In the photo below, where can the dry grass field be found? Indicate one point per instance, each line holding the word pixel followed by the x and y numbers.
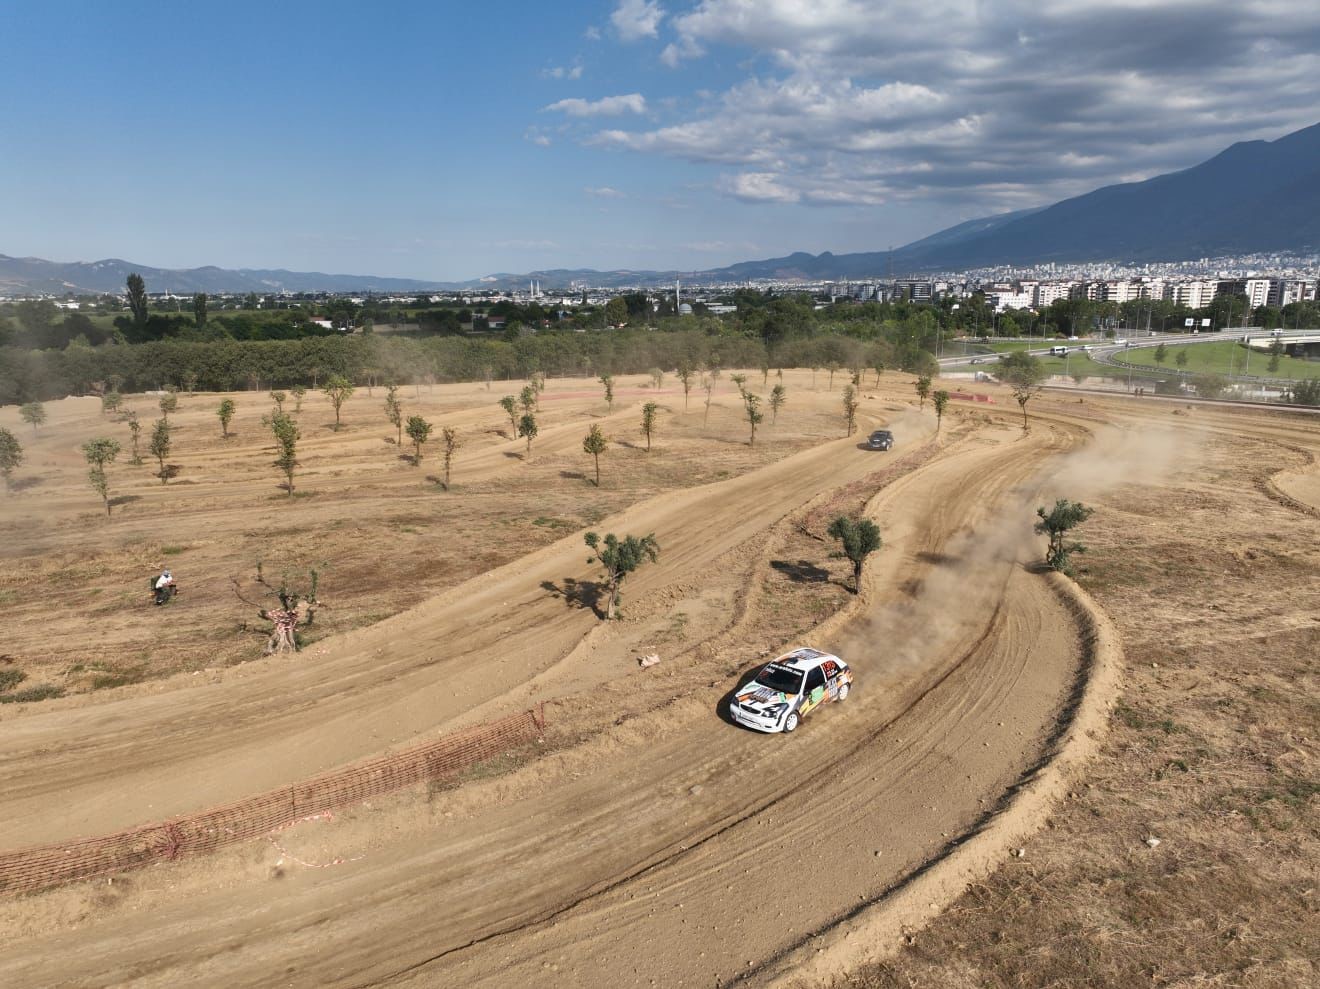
pixel 646 840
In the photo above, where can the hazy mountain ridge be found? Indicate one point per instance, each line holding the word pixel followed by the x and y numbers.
pixel 1255 196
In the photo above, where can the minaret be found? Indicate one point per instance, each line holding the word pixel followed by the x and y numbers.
pixel 677 297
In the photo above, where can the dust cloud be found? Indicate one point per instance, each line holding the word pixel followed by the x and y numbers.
pixel 1148 455
pixel 951 604
pixel 947 608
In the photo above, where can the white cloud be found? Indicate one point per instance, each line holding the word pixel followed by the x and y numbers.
pixel 573 71
pixel 592 33
pixel 636 19
pixel 607 106
pixel 984 103
pixel 758 187
pixel 536 137
pixel 604 192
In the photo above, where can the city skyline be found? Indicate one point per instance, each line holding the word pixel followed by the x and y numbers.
pixel 639 134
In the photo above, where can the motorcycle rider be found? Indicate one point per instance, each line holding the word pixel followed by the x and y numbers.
pixel 164 586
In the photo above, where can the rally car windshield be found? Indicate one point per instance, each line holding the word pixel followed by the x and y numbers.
pixel 778 678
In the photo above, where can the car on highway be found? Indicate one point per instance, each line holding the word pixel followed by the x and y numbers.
pixel 881 439
pixel 785 690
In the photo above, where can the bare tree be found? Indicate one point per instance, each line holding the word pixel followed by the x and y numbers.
pixel 296 607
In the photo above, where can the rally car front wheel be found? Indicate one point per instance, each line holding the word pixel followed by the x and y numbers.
pixel 791 722
pixel 843 692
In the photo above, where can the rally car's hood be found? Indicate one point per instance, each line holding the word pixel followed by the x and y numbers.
pixel 757 697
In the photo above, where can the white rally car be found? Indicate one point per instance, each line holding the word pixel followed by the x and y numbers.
pixel 782 693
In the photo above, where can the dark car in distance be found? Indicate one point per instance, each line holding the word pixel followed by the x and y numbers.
pixel 881 439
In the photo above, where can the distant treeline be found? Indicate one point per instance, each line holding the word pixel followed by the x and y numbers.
pixel 226 365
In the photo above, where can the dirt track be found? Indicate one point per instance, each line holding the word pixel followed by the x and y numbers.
pixel 672 848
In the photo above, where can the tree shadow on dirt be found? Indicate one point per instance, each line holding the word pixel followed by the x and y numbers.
pixel 514 455
pixel 722 705
pixel 578 593
pixel 938 559
pixel 572 475
pixel 124 500
pixel 801 572
pixel 23 483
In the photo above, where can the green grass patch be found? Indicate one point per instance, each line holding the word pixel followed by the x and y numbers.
pixel 1223 357
pixel 9 679
pixel 172 550
pixel 42 693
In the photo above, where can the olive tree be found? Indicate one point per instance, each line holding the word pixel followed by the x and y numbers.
pixel 923 389
pixel 226 414
pixel 338 389
pixel 650 414
pixel 1055 524
pixel 752 407
pixel 394 411
pixel 510 406
pixel 941 401
pixel 111 401
pixel 169 402
pixel 778 396
pixel 595 444
pixel 860 538
pixel 657 377
pixel 686 373
pixel 298 391
pixel 135 427
pixel 850 405
pixel 449 436
pixel 279 398
pixel 419 431
pixel 528 429
pixel 11 456
pixel 99 453
pixel 527 398
pixel 33 413
pixel 620 558
pixel 1023 373
pixel 159 447
pixel 607 380
pixel 285 428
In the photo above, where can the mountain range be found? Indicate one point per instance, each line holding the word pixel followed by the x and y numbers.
pixel 1253 197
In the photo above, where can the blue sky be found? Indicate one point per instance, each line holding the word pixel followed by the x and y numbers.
pixel 448 141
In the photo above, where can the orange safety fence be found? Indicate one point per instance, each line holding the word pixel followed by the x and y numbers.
pixel 27 870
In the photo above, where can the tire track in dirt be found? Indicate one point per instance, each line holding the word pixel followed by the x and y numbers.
pixel 81 771
pixel 504 869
